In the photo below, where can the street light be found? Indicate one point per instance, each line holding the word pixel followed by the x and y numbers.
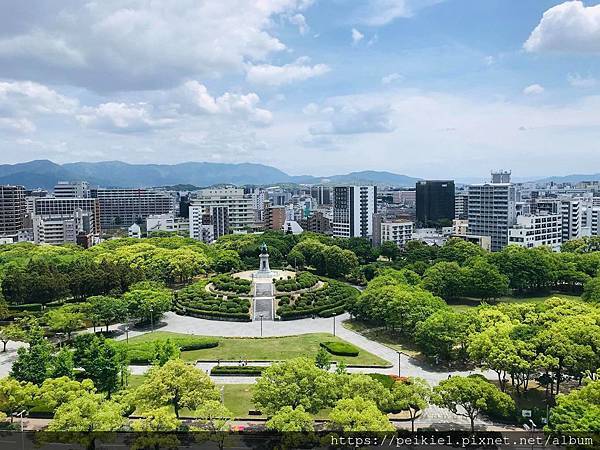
pixel 152 318
pixel 334 325
pixel 21 416
pixel 261 328
pixel 399 360
pixel 127 333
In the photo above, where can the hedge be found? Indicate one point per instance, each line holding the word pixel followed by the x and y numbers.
pixel 304 280
pixel 387 381
pixel 211 315
pixel 26 307
pixel 333 311
pixel 144 352
pixel 194 300
pixel 227 283
pixel 329 300
pixel 237 370
pixel 340 348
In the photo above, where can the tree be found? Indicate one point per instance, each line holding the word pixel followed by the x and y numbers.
pixel 147 301
pixel 214 418
pixel 366 387
pixel 11 332
pixel 100 359
pixel 296 382
pixel 288 419
pixel 591 291
pixel 459 251
pixel 164 351
pixel 390 250
pixel 339 262
pixel 578 411
pixel 483 280
pixel 65 320
pixel 445 279
pixel 88 413
pixel 157 420
pixel 412 395
pixel 33 363
pixel 227 261
pixel 16 396
pixel 323 359
pixel 470 396
pixel 107 310
pixel 444 333
pixel 61 364
pixel 178 384
pixel 56 391
pixel 358 415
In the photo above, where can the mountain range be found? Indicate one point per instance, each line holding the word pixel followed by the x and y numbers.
pixel 45 174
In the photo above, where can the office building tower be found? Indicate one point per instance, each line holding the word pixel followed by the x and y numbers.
pixel 12 209
pixel 322 194
pixel 239 206
pixel 492 209
pixel 353 209
pixel 208 223
pixel 461 205
pixel 274 216
pixel 72 189
pixel 435 203
pixel 123 207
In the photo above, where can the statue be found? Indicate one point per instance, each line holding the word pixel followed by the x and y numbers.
pixel 264 270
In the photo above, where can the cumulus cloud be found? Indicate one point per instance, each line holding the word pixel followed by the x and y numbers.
pixel 382 12
pixel 391 78
pixel 357 36
pixel 25 97
pixel 300 21
pixel 533 89
pixel 353 118
pixel 19 125
pixel 568 27
pixel 299 70
pixel 579 81
pixel 121 118
pixel 142 44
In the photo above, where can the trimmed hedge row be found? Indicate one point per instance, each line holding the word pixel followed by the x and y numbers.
pixel 195 300
pixel 144 352
pixel 340 348
pixel 211 315
pixel 325 302
pixel 227 283
pixel 238 370
pixel 26 307
pixel 304 280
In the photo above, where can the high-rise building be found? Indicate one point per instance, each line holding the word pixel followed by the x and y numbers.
pixel 317 222
pixel 122 207
pixel 72 189
pixel 353 209
pixel 208 223
pixel 572 216
pixel 537 230
pixel 461 205
pixel 492 209
pixel 46 207
pixel 435 203
pixel 65 229
pixel 274 217
pixel 240 212
pixel 398 232
pixel 12 209
pixel 322 194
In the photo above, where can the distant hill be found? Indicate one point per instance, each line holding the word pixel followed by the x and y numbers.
pixel 575 178
pixel 45 174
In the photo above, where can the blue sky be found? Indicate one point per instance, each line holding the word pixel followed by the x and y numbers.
pixel 430 88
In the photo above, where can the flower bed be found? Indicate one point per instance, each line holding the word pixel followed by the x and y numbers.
pixel 304 280
pixel 194 300
pixel 227 283
pixel 340 348
pixel 325 302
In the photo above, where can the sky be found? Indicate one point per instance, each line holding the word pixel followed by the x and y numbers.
pixel 427 88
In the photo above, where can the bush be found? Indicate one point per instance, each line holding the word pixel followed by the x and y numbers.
pixel 144 352
pixel 26 307
pixel 386 380
pixel 227 283
pixel 238 370
pixel 194 300
pixel 304 280
pixel 340 348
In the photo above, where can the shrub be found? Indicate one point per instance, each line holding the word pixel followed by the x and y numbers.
pixel 26 307
pixel 144 352
pixel 340 348
pixel 238 370
pixel 386 380
pixel 195 300
pixel 304 280
pixel 227 283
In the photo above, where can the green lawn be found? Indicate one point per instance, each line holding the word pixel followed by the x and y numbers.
pixel 383 336
pixel 464 304
pixel 265 349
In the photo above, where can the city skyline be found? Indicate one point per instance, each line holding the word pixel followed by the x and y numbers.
pixel 434 89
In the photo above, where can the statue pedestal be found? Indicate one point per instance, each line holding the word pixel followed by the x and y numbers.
pixel 265 270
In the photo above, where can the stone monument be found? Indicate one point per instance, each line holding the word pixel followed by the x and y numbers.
pixel 264 270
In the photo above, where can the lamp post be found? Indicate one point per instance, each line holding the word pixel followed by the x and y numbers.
pixel 152 318
pixel 127 333
pixel 334 325
pixel 261 325
pixel 400 361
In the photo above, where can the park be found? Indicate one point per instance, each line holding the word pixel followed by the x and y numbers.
pixel 292 333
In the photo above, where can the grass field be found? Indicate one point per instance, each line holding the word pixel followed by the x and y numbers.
pixel 265 349
pixel 464 304
pixel 383 336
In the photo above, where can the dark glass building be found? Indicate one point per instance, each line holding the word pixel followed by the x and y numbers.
pixel 435 203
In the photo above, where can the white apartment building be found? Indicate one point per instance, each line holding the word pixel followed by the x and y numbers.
pixel 239 206
pixel 572 216
pixel 398 232
pixel 63 229
pixel 492 209
pixel 166 222
pixel 208 223
pixel 353 209
pixel 134 231
pixel 537 230
pixel 590 221
pixel 66 207
pixel 72 189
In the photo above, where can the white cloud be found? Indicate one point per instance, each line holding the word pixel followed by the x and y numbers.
pixel 357 36
pixel 110 45
pixel 391 78
pixel 25 97
pixel 533 89
pixel 489 60
pixel 584 82
pixel 382 12
pixel 568 27
pixel 353 117
pixel 19 125
pixel 121 118
pixel 300 21
pixel 299 70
